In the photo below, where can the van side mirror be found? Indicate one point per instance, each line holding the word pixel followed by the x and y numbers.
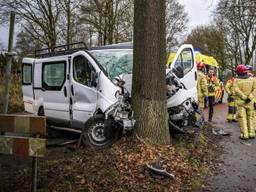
pixel 94 77
pixel 178 71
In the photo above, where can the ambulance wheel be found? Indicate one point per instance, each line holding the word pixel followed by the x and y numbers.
pixel 93 134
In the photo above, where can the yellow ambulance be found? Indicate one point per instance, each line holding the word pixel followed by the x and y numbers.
pixel 210 62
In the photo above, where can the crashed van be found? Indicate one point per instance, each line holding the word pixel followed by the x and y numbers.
pixel 90 90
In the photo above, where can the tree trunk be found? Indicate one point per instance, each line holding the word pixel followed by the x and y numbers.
pixel 149 88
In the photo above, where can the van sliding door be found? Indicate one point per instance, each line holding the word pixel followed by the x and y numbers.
pixel 55 92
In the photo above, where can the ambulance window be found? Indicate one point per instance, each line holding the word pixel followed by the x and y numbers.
pixel 82 70
pixel 54 75
pixel 27 74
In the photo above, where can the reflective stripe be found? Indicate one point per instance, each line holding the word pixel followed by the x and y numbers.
pixel 232 110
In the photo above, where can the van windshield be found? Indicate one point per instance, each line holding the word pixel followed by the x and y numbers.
pixel 115 62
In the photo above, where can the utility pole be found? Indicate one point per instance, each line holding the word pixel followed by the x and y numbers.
pixel 68 22
pixel 8 67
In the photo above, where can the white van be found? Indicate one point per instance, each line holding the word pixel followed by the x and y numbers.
pixel 89 89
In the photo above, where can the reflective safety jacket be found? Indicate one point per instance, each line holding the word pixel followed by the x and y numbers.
pixel 213 84
pixel 202 87
pixel 254 93
pixel 244 87
pixel 229 87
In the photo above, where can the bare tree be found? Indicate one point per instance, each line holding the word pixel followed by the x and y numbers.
pixel 211 40
pixel 38 17
pixel 69 27
pixel 149 89
pixel 111 20
pixel 48 22
pixel 25 45
pixel 176 22
pixel 238 19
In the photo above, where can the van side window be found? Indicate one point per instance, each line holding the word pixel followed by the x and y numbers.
pixel 27 74
pixel 54 74
pixel 82 70
pixel 185 60
pixel 178 62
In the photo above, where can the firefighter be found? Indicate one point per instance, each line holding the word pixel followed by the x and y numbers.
pixel 213 83
pixel 250 69
pixel 245 88
pixel 229 87
pixel 202 87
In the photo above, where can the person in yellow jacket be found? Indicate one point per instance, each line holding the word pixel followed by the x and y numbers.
pixel 213 83
pixel 245 88
pixel 232 109
pixel 202 87
pixel 249 67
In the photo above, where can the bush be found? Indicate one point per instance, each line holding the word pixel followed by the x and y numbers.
pixel 15 98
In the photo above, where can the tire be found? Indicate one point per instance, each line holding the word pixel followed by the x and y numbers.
pixel 93 134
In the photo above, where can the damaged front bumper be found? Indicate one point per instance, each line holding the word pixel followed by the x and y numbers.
pixel 122 114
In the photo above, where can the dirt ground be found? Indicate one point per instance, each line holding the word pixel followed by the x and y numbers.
pixel 236 166
pixel 234 169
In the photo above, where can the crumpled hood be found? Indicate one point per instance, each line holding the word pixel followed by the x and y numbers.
pixel 128 80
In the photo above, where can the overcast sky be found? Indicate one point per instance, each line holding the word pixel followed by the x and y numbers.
pixel 199 11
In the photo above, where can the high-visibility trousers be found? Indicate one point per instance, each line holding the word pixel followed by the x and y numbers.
pixel 201 102
pixel 232 108
pixel 246 119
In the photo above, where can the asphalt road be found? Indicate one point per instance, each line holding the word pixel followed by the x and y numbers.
pixel 236 170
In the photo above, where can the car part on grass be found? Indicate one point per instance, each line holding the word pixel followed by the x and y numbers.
pixel 157 172
pixel 62 143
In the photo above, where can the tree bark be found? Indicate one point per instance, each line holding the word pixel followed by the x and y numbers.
pixel 149 88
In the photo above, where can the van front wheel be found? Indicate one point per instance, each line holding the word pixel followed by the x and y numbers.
pixel 93 134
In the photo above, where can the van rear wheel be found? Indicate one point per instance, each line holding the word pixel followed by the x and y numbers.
pixel 93 134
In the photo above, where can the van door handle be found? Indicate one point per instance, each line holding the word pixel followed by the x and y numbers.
pixel 65 91
pixel 195 75
pixel 72 90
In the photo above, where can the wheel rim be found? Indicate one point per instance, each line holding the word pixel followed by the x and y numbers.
pixel 96 134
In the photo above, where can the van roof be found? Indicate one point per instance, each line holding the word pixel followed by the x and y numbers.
pixel 126 45
pixel 65 54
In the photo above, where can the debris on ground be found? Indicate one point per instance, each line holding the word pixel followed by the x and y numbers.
pixel 156 171
pixel 120 168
